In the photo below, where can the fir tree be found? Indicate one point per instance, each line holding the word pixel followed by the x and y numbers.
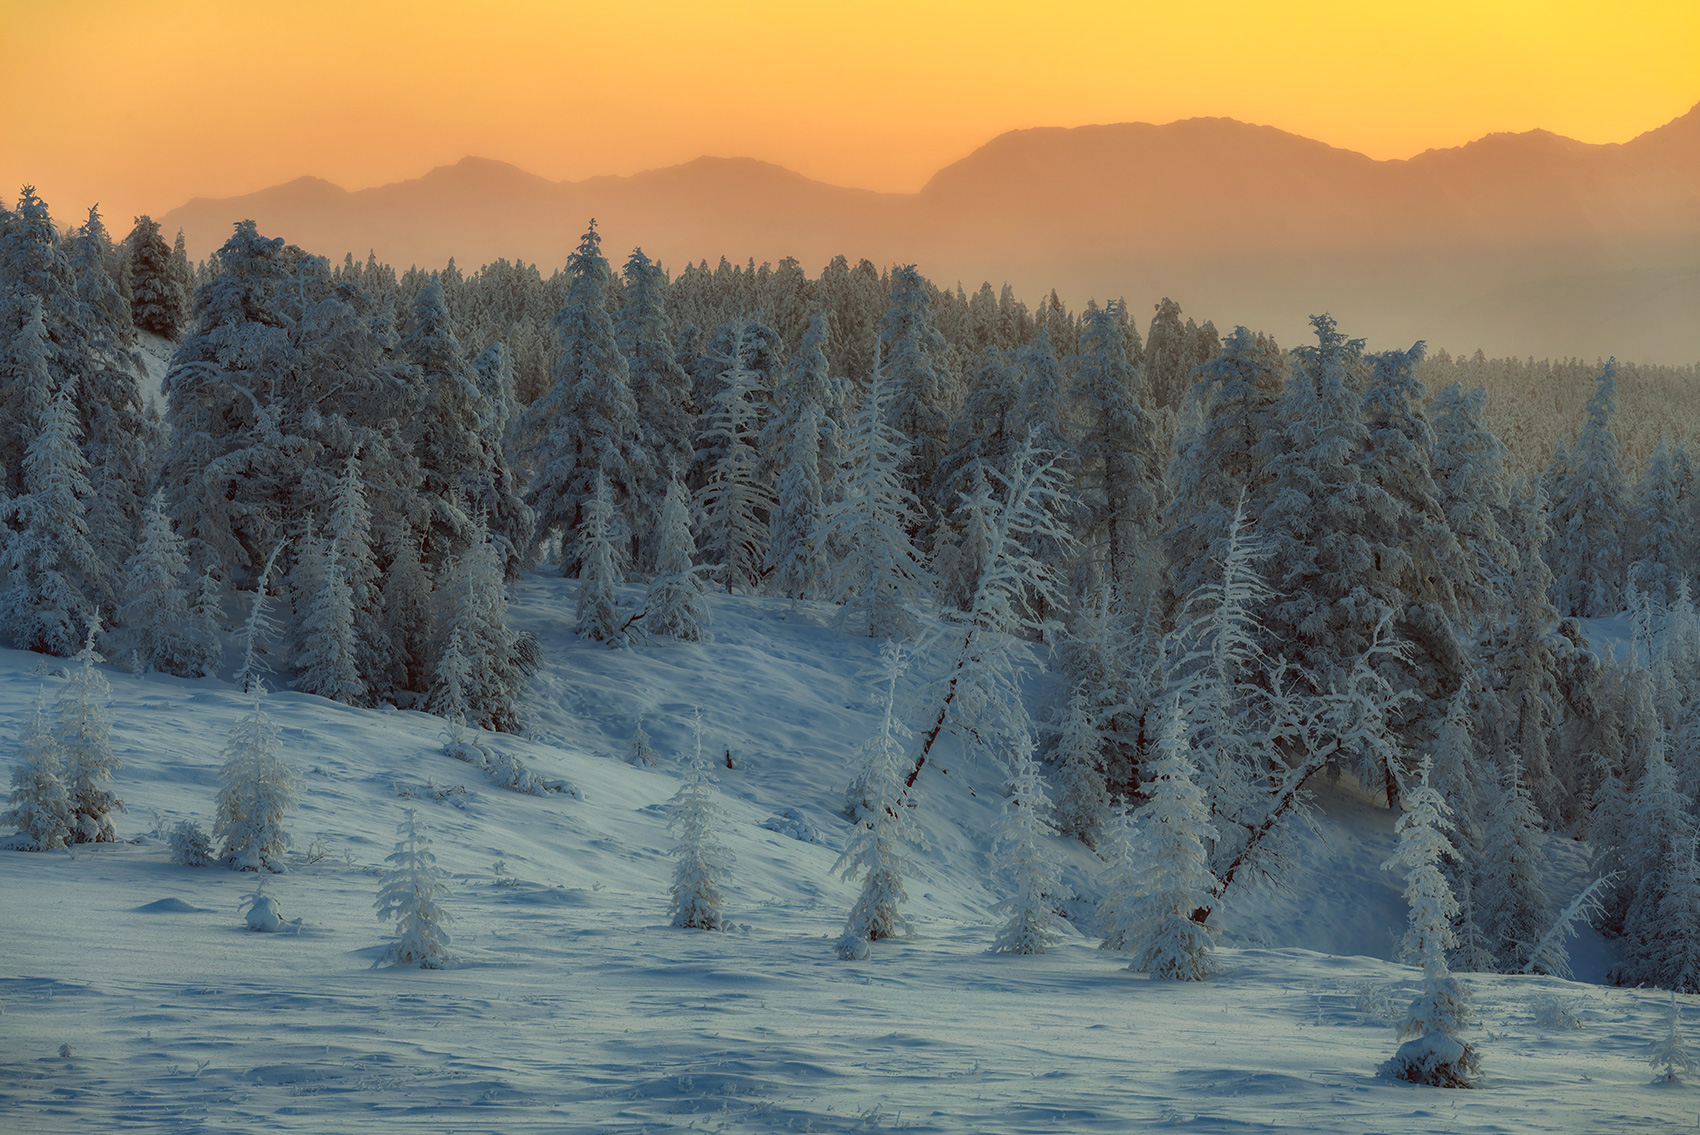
pixel 50 568
pixel 1469 471
pixel 1031 876
pixel 879 573
pixel 702 863
pixel 676 604
pixel 84 735
pixel 735 499
pixel 1668 1054
pixel 587 423
pixel 412 895
pixel 598 573
pixel 803 441
pixel 156 300
pixel 661 390
pixel 1173 829
pixel 916 362
pixel 1657 554
pixel 257 790
pixel 1082 808
pixel 327 656
pixel 475 604
pixel 1511 897
pixel 1434 1051
pixel 885 835
pixel 156 599
pixel 42 809
pixel 1588 507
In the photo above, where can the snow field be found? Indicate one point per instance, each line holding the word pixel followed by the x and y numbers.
pixel 574 1007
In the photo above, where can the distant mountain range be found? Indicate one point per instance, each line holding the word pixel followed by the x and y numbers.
pixel 1515 243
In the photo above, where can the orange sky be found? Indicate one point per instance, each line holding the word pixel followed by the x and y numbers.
pixel 143 105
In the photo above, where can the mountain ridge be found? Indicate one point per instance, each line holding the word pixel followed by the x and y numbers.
pixel 1244 223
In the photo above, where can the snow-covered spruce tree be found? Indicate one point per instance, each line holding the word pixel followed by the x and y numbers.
pixel 1668 1054
pixel 1324 608
pixel 1082 806
pixel 83 731
pixel 599 572
pixel 701 861
pixel 587 423
pixel 1510 896
pixel 28 390
pixel 1121 467
pixel 802 439
pixel 156 598
pixel 1658 528
pixel 1588 512
pixel 1173 829
pixel 1672 950
pixel 258 629
pixel 980 694
pixel 257 790
pixel 412 894
pixel 736 496
pixel 156 301
pixel 1469 471
pixel 327 642
pixel 1652 853
pixel 917 364
pixel 886 834
pixel 661 390
pixel 497 490
pixel 1216 670
pixel 638 750
pixel 474 602
pixel 51 570
pixel 349 529
pixel 676 604
pixel 41 808
pixel 1031 877
pixel 1434 1051
pixel 878 574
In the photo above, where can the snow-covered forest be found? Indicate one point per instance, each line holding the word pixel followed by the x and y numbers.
pixel 1166 603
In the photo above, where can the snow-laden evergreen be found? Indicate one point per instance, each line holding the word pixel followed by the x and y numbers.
pixel 915 360
pixel 1510 894
pixel 257 791
pixel 1589 511
pixel 82 728
pixel 475 605
pixel 587 423
pixel 661 390
pixel 156 600
pixel 1657 528
pixel 1082 805
pixel 676 604
pixel 879 576
pixel 1434 1052
pixel 1469 471
pixel 886 835
pixel 1668 1053
pixel 1031 878
pixel 327 652
pixel 1157 920
pixel 41 807
pixel 736 496
pixel 701 862
pixel 801 437
pixel 50 568
pixel 411 895
pixel 599 574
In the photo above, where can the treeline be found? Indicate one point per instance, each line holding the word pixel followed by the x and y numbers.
pixel 1256 565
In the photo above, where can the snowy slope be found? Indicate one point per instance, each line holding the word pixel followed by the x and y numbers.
pixel 574 1007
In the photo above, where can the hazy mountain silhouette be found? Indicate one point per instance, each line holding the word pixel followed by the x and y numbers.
pixel 1518 243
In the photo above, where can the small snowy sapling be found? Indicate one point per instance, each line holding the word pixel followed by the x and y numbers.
pixel 41 803
pixel 702 862
pixel 412 895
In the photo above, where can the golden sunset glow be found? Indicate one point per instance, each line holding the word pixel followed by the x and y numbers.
pixel 142 105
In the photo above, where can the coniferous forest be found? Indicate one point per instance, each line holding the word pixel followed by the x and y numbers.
pixel 1168 579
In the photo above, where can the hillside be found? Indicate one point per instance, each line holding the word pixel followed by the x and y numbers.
pixel 573 1006
pixel 1515 243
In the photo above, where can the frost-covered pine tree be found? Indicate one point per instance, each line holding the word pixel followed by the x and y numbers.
pixel 1588 512
pixel 916 362
pixel 156 599
pixel 50 568
pixel 1509 895
pixel 1121 468
pixel 676 604
pixel 701 861
pixel 802 439
pixel 1658 528
pixel 1434 1051
pixel 1173 830
pixel 1668 1054
pixel 156 302
pixel 83 731
pixel 1469 470
pixel 599 572
pixel 886 834
pixel 661 390
pixel 412 894
pixel 257 790
pixel 638 750
pixel 1031 877
pixel 41 808
pixel 736 496
pixel 1082 806
pixel 328 648
pixel 587 423
pixel 474 601
pixel 349 529
pixel 878 574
